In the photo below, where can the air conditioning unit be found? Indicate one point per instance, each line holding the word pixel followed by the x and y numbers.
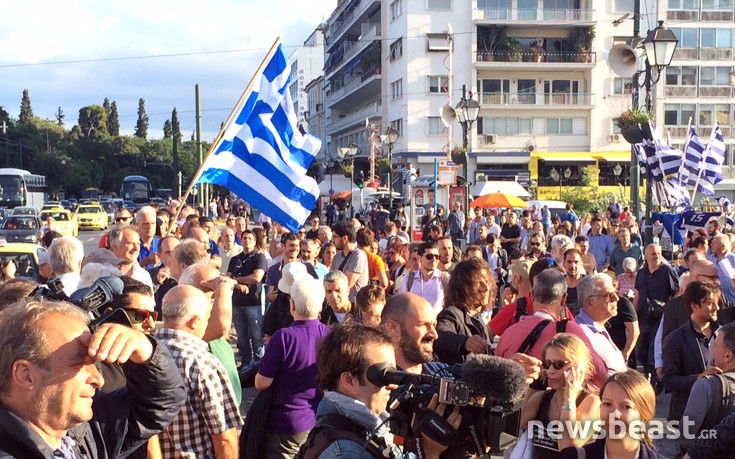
pixel 490 138
pixel 616 137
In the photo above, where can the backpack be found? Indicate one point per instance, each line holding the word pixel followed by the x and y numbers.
pixel 720 387
pixel 335 427
pixel 530 341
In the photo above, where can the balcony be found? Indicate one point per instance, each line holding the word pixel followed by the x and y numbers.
pixel 534 61
pixel 352 48
pixel 522 100
pixel 564 16
pixel 356 117
pixel 358 86
pixel 344 20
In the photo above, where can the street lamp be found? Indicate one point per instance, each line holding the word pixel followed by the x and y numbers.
pixel 391 138
pixel 467 111
pixel 351 151
pixel 659 45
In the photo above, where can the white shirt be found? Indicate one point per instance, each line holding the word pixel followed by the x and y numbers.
pixel 602 343
pixel 494 229
pixel 228 255
pixel 431 290
pixel 70 282
pixel 141 275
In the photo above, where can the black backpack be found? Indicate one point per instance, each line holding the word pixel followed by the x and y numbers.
pixel 530 341
pixel 335 427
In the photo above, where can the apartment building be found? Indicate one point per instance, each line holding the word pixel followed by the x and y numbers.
pixel 307 62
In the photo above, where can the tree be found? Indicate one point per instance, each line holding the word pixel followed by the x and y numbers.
pixel 60 117
pixel 167 129
pixel 106 106
pixel 26 112
pixel 175 127
pixel 113 121
pixel 93 121
pixel 141 127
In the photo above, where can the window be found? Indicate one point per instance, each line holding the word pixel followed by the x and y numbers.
pixel 623 85
pixel 714 76
pixel 437 42
pixel 709 114
pixel 434 125
pixel 559 126
pixel 504 126
pixel 396 89
pixel 493 91
pixel 396 49
pixel 526 91
pixel 683 4
pixel 398 126
pixel 717 5
pixel 687 37
pixel 396 9
pixel 438 84
pixel 438 4
pixel 716 38
pixel 678 114
pixel 681 76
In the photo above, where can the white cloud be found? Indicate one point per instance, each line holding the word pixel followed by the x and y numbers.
pixel 43 32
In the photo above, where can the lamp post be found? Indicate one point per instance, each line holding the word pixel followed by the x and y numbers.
pixel 659 45
pixel 352 151
pixel 617 170
pixel 391 138
pixel 467 111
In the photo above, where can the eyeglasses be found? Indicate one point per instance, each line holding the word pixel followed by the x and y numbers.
pixel 137 316
pixel 610 296
pixel 431 256
pixel 535 244
pixel 120 219
pixel 557 364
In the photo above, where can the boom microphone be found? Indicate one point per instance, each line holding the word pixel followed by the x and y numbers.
pixel 498 378
pixel 104 290
pixel 384 374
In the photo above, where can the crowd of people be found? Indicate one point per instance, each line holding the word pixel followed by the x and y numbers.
pixel 597 323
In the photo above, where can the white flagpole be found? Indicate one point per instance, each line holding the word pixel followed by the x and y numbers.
pixel 704 161
pixel 220 135
pixel 684 161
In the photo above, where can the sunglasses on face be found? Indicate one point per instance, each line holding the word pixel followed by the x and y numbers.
pixel 610 296
pixel 431 256
pixel 137 316
pixel 535 244
pixel 557 364
pixel 120 219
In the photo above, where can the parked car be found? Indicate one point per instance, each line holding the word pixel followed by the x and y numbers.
pixel 25 210
pixel 20 228
pixel 25 257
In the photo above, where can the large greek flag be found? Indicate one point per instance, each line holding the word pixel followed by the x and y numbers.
pixel 263 157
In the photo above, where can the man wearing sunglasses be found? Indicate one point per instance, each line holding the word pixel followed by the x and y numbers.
pixel 122 217
pixel 599 303
pixel 428 282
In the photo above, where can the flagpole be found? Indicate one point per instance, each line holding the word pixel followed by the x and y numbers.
pixel 684 162
pixel 220 135
pixel 704 160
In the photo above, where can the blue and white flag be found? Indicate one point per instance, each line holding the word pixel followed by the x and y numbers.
pixel 715 156
pixel 693 150
pixel 263 157
pixel 668 158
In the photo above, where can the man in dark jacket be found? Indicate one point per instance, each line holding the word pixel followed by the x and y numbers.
pixel 49 402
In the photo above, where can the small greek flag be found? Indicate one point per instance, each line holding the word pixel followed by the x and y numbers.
pixel 263 157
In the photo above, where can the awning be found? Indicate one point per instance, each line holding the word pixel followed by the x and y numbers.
pixel 336 182
pixel 580 159
pixel 496 186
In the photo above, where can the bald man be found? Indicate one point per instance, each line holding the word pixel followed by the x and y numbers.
pixel 201 235
pixel 211 430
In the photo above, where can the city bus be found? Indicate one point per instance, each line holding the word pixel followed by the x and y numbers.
pixel 136 188
pixel 91 193
pixel 19 187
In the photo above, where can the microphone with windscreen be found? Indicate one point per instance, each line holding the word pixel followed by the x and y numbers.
pixel 101 292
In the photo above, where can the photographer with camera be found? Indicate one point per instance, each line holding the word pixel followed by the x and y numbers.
pixel 351 420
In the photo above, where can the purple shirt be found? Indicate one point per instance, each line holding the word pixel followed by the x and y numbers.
pixel 290 359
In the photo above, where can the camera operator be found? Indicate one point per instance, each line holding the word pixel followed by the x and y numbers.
pixel 351 418
pixel 49 402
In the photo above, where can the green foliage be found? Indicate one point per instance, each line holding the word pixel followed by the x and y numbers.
pixel 113 120
pixel 632 117
pixel 60 117
pixel 93 121
pixel 141 126
pixel 175 127
pixel 167 129
pixel 26 112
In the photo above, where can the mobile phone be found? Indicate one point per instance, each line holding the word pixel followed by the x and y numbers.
pixel 568 373
pixel 116 316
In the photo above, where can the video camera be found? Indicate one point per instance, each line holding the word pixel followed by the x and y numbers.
pixel 90 299
pixel 489 391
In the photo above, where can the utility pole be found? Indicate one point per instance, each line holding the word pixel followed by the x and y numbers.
pixel 199 131
pixel 635 173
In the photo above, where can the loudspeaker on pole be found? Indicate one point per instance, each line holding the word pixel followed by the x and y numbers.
pixel 623 60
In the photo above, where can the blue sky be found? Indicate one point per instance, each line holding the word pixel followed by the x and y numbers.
pixel 76 53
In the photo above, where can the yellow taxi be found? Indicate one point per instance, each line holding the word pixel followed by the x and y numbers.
pixel 24 256
pixel 63 222
pixel 91 216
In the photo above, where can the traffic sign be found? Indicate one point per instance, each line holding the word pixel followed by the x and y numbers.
pixel 331 191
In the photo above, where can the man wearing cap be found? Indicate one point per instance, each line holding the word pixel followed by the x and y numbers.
pixel 65 256
pixel 44 268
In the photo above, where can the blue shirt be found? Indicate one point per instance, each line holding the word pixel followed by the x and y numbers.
pixel 213 249
pixel 601 248
pixel 145 251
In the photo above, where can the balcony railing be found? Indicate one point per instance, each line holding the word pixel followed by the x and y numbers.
pixel 338 89
pixel 357 116
pixel 553 99
pixel 535 14
pixel 504 56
